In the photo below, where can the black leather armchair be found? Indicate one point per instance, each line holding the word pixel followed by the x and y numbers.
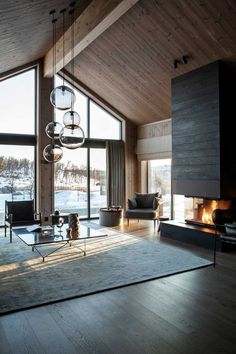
pixel 20 213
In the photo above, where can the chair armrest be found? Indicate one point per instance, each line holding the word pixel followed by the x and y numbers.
pixel 10 218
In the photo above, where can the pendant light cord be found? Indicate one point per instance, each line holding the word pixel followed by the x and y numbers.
pixel 54 20
pixel 71 12
pixel 63 41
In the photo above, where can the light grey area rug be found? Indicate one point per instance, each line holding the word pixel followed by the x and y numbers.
pixel 111 262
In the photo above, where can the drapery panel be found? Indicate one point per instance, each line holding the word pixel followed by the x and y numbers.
pixel 115 173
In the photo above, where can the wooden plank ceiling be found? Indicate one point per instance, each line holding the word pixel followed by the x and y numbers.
pixel 131 64
pixel 26 29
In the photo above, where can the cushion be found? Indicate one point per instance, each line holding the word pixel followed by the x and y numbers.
pixel 132 203
pixel 148 214
pixel 156 202
pixel 145 200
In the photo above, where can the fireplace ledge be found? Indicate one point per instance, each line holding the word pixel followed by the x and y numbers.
pixel 196 235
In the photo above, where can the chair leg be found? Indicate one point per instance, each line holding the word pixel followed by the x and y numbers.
pixel 5 226
pixel 154 223
pixel 10 234
pixel 159 226
pixel 128 221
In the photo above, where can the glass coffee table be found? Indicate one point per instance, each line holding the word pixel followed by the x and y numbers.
pixel 54 235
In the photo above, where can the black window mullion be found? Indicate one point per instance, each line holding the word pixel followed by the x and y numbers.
pixel 88 183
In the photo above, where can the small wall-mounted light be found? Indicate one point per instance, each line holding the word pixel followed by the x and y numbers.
pixel 183 60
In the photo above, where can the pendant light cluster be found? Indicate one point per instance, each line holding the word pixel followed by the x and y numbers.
pixel 71 136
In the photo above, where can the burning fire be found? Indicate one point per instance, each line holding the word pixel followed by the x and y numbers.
pixel 206 215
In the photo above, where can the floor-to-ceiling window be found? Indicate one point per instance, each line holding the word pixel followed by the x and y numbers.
pixel 159 180
pixel 80 176
pixel 17 138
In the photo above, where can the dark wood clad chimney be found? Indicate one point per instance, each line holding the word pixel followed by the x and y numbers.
pixel 203 136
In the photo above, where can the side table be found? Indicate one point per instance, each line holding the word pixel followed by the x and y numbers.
pixel 110 216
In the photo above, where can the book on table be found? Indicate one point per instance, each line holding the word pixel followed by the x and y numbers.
pixel 36 227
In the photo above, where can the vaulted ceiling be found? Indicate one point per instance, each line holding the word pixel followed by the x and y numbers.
pixel 131 64
pixel 26 29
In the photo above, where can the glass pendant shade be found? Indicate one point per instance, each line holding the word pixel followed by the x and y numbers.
pixel 71 118
pixel 72 136
pixel 52 153
pixel 62 97
pixel 53 130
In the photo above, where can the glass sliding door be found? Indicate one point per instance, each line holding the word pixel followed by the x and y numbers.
pixel 159 180
pixel 98 198
pixel 70 183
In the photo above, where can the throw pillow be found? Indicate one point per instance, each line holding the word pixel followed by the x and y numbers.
pixel 156 202
pixel 132 204
pixel 145 200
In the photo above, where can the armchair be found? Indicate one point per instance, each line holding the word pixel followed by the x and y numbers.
pixel 144 206
pixel 225 228
pixel 20 213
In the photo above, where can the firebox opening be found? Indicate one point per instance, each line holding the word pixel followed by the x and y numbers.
pixel 198 211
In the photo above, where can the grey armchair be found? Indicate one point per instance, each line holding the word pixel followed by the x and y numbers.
pixel 144 206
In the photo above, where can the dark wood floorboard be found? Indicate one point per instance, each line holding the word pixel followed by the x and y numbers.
pixel 192 312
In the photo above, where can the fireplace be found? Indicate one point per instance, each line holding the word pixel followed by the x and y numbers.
pixel 198 211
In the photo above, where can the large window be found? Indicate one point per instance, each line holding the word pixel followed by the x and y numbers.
pixel 102 124
pixel 159 180
pixel 17 104
pixel 80 177
pixel 71 187
pixel 17 138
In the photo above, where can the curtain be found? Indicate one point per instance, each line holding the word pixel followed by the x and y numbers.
pixel 115 173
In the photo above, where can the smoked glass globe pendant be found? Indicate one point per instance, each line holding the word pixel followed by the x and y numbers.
pixel 71 118
pixel 53 130
pixel 62 97
pixel 52 153
pixel 72 136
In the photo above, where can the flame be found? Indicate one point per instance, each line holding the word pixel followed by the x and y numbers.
pixel 206 215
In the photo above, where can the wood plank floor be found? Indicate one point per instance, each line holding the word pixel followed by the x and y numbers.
pixel 193 312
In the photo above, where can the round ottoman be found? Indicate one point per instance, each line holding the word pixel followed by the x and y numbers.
pixel 110 216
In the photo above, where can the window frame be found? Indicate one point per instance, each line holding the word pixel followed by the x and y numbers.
pixel 90 143
pixel 26 139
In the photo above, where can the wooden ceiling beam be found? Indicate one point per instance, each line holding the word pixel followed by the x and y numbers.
pixel 95 19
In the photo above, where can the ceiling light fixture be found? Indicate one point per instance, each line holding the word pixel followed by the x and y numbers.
pixel 53 152
pixel 72 135
pixel 62 97
pixel 181 61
